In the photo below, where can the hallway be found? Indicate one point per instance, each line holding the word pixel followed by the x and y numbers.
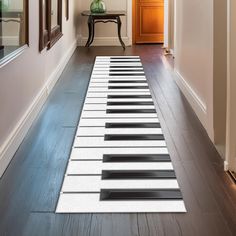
pixel 30 187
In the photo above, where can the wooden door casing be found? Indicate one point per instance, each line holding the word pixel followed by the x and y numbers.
pixel 148 21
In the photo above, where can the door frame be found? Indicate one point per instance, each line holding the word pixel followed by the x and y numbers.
pixel 230 162
pixel 130 25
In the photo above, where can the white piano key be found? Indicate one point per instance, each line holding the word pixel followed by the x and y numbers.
pixel 125 70
pixel 93 94
pixel 103 114
pixel 96 167
pixel 105 90
pixel 92 84
pixel 99 63
pixel 97 153
pixel 102 57
pixel 93 131
pixel 105 100
pixel 108 68
pixel 108 60
pixel 117 62
pixel 109 57
pixel 90 203
pixel 101 122
pixel 81 142
pixel 117 77
pixel 103 107
pixel 95 184
pixel 96 100
pixel 106 80
pixel 117 72
pixel 101 66
pixel 104 95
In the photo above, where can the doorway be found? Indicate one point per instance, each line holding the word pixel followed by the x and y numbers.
pixel 148 21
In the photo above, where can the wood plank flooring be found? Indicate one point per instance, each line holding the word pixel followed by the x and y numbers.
pixel 30 187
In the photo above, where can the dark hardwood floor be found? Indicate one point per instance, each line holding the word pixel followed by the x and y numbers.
pixel 29 188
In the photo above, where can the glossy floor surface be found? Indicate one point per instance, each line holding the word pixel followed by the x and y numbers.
pixel 30 187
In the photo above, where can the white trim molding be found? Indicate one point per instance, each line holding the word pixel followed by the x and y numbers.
pixel 231 85
pixel 129 21
pixel 226 166
pixel 10 146
pixel 166 25
pixel 195 101
pixel 103 41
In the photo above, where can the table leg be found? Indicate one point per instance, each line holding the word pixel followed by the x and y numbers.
pixel 119 31
pixel 92 32
pixel 90 25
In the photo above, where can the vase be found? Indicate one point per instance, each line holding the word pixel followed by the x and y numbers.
pixel 98 6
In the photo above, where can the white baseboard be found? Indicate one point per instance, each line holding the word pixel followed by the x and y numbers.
pixel 195 101
pixel 10 146
pixel 104 41
pixel 59 69
pixel 226 166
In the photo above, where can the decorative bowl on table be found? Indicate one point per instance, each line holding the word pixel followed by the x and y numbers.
pixel 98 6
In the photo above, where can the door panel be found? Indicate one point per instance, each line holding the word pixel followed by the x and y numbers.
pixel 149 15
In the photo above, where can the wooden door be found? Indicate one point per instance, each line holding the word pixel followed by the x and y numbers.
pixel 148 21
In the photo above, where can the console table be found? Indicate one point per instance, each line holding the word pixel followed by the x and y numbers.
pixel 109 16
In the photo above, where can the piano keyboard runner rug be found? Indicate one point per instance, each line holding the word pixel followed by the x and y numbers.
pixel 119 160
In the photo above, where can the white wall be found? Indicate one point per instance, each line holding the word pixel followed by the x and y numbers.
pixel 26 81
pixel 197 55
pixel 105 34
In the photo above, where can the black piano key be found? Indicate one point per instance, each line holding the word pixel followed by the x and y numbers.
pixel 133 74
pixel 128 96
pixel 136 158
pixel 126 111
pixel 132 125
pixel 138 174
pixel 128 61
pixel 140 194
pixel 128 70
pixel 127 87
pixel 126 57
pixel 127 81
pixel 129 137
pixel 129 103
